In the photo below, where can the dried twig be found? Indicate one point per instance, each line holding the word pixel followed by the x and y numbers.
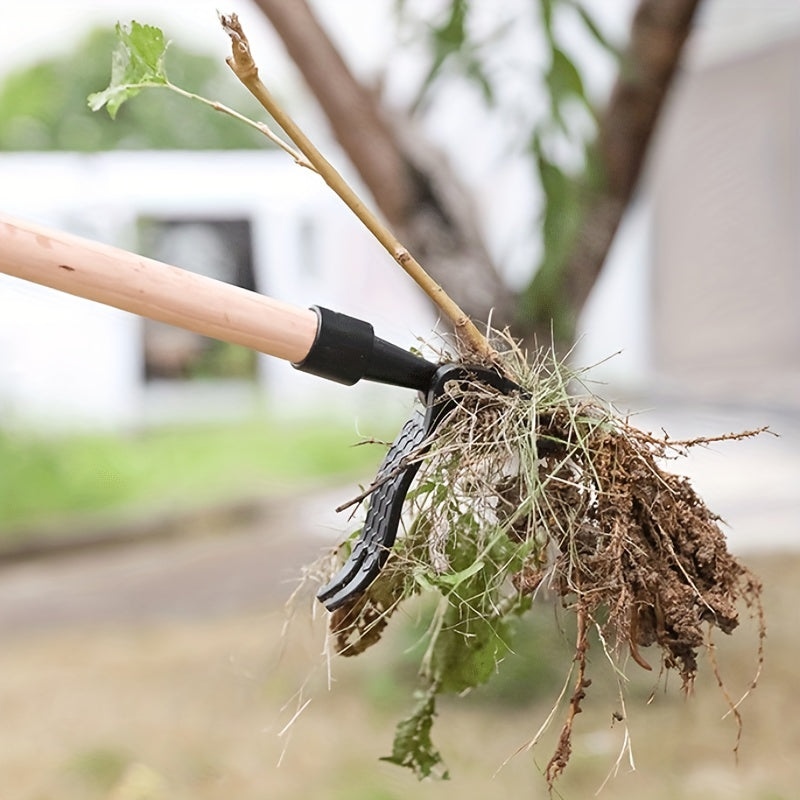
pixel 244 67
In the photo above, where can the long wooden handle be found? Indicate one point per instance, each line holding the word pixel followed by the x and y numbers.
pixel 155 290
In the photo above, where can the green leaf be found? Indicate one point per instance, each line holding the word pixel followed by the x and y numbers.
pixel 564 82
pixel 447 582
pixel 563 78
pixel 545 296
pixel 446 41
pixel 562 202
pixel 412 747
pixel 475 72
pixel 136 63
pixel 450 37
pixel 595 31
pixel 546 8
pixel 453 579
pixel 466 650
pixel 421 579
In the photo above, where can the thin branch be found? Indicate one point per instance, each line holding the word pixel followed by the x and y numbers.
pixel 246 70
pixel 261 127
pixel 353 111
pixel 658 33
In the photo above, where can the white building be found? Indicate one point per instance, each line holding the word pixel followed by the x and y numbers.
pixel 702 290
pixel 252 218
pixel 701 293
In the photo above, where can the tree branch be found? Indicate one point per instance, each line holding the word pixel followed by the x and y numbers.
pixel 351 110
pixel 659 31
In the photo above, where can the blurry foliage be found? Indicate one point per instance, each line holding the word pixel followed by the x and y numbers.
pixel 224 360
pixel 44 477
pixel 44 105
pixel 557 140
pixel 100 768
pixel 450 45
pixel 531 671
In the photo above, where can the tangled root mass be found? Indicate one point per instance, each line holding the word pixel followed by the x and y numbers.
pixel 520 494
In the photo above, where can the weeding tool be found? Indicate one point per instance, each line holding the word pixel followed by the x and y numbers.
pixel 316 340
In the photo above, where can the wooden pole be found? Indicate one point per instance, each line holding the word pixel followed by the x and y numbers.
pixel 155 290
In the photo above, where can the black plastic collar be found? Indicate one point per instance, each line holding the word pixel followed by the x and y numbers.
pixel 346 350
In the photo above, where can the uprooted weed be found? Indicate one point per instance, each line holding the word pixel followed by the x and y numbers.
pixel 546 492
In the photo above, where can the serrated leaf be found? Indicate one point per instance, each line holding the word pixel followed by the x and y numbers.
pixel 136 63
pixel 413 747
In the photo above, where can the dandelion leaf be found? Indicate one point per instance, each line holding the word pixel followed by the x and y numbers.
pixel 136 63
pixel 413 747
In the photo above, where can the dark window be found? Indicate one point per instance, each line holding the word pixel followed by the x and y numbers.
pixel 217 248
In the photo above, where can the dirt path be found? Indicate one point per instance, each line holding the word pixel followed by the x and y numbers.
pixel 159 661
pixel 252 567
pixel 752 484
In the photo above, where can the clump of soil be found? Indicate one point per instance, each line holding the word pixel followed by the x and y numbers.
pixel 644 559
pixel 545 491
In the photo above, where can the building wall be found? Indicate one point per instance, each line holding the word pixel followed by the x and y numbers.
pixel 725 188
pixel 700 295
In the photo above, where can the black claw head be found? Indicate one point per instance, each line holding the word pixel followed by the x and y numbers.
pixel 394 478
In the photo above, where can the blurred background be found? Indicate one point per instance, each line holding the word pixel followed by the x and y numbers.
pixel 621 179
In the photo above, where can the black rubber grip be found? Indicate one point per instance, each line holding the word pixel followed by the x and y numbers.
pixel 342 349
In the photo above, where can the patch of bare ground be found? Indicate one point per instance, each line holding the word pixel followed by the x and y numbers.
pixel 200 704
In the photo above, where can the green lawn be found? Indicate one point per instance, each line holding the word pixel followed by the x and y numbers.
pixel 42 478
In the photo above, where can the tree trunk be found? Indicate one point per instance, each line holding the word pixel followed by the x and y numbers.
pixel 431 211
pixel 658 34
pixel 411 184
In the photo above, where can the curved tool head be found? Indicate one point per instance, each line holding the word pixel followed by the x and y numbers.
pixel 401 463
